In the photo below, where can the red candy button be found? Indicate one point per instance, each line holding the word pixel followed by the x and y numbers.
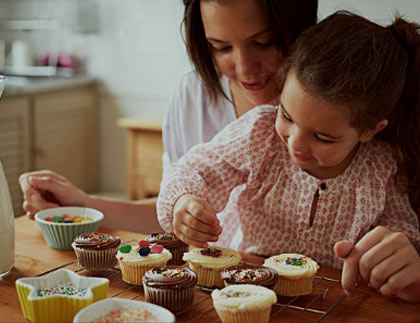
pixel 156 248
pixel 144 243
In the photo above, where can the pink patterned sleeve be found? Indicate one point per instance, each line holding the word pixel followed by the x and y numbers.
pixel 212 170
pixel 398 216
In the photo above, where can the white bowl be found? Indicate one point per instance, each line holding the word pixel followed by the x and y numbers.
pixel 61 235
pixel 102 308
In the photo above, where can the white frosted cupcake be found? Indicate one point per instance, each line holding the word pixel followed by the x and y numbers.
pixel 244 303
pixel 136 261
pixel 208 263
pixel 296 273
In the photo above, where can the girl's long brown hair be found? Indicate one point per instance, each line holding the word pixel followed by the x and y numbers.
pixel 374 71
pixel 286 20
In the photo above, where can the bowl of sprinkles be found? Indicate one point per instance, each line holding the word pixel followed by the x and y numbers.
pixel 61 225
pixel 58 296
pixel 123 310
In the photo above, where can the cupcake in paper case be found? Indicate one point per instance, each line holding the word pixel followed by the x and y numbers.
pixel 250 274
pixel 171 287
pixel 244 303
pixel 208 263
pixel 135 261
pixel 170 242
pixel 296 273
pixel 96 251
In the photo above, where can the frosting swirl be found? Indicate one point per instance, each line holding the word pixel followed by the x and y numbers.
pixel 291 264
pixel 213 257
pixel 96 241
pixel 243 297
pixel 170 277
pixel 166 239
pixel 250 274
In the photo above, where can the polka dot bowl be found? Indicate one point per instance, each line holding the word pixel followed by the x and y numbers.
pixel 123 310
pixel 61 235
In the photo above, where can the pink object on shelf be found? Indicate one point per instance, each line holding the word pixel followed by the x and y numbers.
pixel 63 60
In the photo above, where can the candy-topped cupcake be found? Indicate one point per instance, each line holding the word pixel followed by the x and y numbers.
pixel 172 287
pixel 250 274
pixel 136 260
pixel 295 271
pixel 172 243
pixel 244 303
pixel 208 263
pixel 96 250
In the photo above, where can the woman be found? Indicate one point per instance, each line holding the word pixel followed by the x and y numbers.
pixel 236 47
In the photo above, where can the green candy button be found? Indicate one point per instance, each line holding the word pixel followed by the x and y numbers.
pixel 125 248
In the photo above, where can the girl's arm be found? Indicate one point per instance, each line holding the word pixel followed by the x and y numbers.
pixel 211 171
pixel 388 256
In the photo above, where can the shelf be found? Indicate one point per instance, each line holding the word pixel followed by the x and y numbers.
pixel 29 24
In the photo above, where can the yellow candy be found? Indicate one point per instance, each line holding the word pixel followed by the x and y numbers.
pixel 77 219
pixel 87 220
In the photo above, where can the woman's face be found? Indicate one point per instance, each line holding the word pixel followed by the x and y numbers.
pixel 242 48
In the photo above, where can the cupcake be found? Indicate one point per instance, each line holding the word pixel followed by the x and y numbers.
pixel 171 287
pixel 96 250
pixel 170 242
pixel 243 303
pixel 296 273
pixel 250 274
pixel 136 260
pixel 208 263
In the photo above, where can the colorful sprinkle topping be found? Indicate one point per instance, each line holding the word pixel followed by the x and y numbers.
pixel 295 261
pixel 163 236
pixel 174 273
pixel 234 294
pixel 128 315
pixel 251 274
pixel 62 289
pixel 212 252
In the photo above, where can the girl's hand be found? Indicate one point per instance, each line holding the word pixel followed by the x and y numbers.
pixel 46 189
pixel 386 260
pixel 195 221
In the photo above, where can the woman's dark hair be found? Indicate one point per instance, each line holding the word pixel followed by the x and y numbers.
pixel 286 20
pixel 374 73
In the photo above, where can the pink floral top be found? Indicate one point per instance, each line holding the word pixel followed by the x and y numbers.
pixel 265 201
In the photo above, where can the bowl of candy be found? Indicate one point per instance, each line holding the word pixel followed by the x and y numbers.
pixel 61 225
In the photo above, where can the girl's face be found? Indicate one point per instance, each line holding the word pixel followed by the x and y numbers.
pixel 317 133
pixel 242 48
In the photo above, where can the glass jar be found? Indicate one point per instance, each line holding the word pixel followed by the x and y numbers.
pixel 7 219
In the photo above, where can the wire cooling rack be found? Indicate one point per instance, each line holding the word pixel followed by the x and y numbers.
pixel 327 294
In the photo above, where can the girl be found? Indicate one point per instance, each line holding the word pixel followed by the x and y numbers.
pixel 337 158
pixel 235 70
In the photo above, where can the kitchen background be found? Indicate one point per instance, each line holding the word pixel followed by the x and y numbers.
pixel 123 58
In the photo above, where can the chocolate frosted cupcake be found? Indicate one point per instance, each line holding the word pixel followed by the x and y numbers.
pixel 172 287
pixel 250 274
pixel 170 242
pixel 96 250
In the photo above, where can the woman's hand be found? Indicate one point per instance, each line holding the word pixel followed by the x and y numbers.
pixel 195 221
pixel 46 189
pixel 386 260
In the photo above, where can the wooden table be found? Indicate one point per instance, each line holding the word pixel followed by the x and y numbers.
pixel 34 257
